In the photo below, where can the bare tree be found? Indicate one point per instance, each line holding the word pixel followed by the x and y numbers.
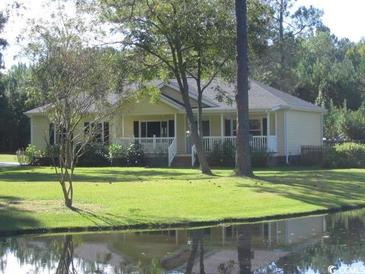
pixel 70 76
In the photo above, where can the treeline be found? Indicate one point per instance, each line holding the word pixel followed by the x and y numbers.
pixel 290 49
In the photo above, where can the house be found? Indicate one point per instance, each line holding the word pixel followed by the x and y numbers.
pixel 279 123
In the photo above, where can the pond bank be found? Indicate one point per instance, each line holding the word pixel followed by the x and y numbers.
pixel 138 198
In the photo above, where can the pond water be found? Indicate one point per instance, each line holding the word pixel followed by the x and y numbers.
pixel 299 245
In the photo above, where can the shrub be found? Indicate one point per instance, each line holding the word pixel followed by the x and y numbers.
pixel 345 155
pixel 260 158
pixel 222 155
pixel 94 155
pixel 135 155
pixel 117 155
pixel 32 153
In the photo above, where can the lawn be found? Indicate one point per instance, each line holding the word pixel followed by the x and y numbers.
pixel 31 197
pixel 8 158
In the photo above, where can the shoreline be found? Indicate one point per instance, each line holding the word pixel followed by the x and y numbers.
pixel 179 225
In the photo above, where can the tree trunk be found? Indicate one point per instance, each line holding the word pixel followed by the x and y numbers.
pixel 197 141
pixel 193 252
pixel 65 265
pixel 243 164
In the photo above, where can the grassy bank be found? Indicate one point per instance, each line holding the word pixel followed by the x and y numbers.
pixel 31 197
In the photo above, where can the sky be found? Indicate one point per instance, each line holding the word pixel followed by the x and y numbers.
pixel 345 18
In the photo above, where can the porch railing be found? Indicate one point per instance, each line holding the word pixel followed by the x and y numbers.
pixel 150 144
pixel 257 143
pixel 171 152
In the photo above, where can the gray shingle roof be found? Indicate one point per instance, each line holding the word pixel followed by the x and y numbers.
pixel 220 95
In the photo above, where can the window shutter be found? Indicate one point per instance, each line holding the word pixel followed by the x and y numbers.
pixel 136 129
pixel 106 133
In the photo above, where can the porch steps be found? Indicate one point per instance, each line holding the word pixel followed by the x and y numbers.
pixel 182 161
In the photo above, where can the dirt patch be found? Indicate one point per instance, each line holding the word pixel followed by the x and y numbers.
pixel 44 206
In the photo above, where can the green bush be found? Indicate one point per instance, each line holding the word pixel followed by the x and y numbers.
pixel 94 155
pixel 117 155
pixel 346 155
pixel 260 158
pixel 32 153
pixel 222 155
pixel 135 155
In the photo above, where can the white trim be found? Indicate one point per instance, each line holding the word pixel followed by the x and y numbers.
pixel 175 125
pixel 286 137
pixel 276 123
pixel 191 95
pixel 222 125
pixel 32 132
pixel 170 102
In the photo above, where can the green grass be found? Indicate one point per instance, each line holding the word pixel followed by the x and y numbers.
pixel 8 158
pixel 31 197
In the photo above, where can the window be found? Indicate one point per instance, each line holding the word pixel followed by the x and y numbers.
pixel 55 134
pixel 206 128
pixel 230 127
pixel 100 132
pixel 149 129
pixel 255 127
pixel 171 128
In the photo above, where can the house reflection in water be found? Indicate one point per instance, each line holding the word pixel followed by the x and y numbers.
pixel 221 249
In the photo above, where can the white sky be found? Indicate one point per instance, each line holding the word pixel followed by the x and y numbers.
pixel 345 18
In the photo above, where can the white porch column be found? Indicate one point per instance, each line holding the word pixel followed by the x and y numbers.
pixel 268 124
pixel 222 126
pixel 286 136
pixel 175 125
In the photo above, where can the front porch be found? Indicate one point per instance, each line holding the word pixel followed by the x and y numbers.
pixel 169 134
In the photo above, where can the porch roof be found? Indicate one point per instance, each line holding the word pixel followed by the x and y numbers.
pixel 220 96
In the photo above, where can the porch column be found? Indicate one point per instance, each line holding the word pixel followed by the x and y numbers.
pixel 268 124
pixel 175 125
pixel 222 126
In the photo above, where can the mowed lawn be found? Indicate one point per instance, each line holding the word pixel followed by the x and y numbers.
pixel 32 198
pixel 8 158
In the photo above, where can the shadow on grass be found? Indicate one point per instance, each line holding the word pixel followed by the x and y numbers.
pixel 13 218
pixel 326 188
pixel 100 175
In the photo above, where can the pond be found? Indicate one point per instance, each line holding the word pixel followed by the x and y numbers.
pixel 317 244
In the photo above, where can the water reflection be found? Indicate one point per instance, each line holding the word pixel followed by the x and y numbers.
pixel 303 245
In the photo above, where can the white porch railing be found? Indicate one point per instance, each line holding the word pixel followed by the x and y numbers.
pixel 171 152
pixel 258 143
pixel 150 144
pixel 193 155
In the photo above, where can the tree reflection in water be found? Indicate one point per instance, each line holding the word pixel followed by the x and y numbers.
pixel 66 263
pixel 197 240
pixel 244 249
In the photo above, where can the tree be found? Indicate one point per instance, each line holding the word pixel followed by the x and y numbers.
pixel 15 85
pixel 69 77
pixel 243 147
pixel 3 42
pixel 288 28
pixel 177 39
